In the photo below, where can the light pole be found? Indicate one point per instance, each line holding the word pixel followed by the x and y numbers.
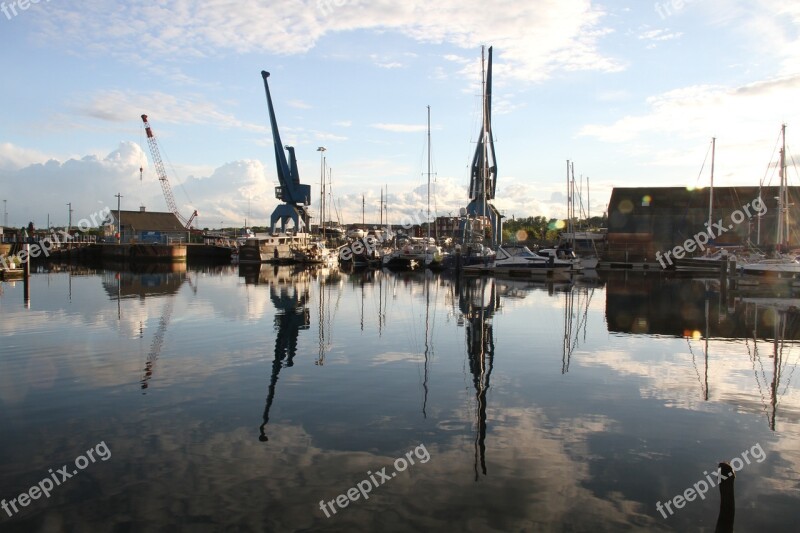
pixel 118 196
pixel 5 213
pixel 69 224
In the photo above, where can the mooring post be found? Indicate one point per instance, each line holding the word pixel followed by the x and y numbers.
pixel 26 274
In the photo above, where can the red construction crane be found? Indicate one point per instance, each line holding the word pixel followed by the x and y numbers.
pixel 162 176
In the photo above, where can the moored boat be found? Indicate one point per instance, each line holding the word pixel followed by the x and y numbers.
pixel 276 248
pixel 517 259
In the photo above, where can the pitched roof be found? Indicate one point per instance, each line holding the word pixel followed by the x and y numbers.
pixel 150 221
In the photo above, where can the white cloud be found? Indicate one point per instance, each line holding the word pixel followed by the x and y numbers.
pixel 14 157
pixel 400 128
pixel 688 117
pixel 119 106
pixel 536 39
pixel 385 62
pixel 661 34
pixel 298 104
pixel 88 182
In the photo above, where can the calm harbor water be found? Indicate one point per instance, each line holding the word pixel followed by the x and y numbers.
pixel 236 400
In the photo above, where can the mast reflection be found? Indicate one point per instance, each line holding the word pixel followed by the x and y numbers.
pixel 785 323
pixel 701 311
pixel 478 301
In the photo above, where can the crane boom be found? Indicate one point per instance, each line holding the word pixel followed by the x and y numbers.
pixel 162 176
pixel 294 195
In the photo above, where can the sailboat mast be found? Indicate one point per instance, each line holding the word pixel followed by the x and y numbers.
pixel 321 151
pixel 568 199
pixel 711 193
pixel 429 176
pixel 784 191
pixel 572 207
pixel 782 215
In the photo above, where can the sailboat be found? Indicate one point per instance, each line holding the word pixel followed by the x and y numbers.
pixel 781 265
pixel 419 252
pixel 566 248
pixel 709 262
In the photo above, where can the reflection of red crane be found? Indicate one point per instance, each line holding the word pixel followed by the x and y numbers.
pixel 162 176
pixel 158 342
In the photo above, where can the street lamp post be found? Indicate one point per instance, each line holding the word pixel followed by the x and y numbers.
pixel 118 196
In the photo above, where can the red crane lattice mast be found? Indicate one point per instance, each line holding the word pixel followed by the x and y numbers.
pixel 162 176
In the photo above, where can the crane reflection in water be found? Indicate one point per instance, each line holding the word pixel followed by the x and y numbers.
pixel 289 292
pixel 477 302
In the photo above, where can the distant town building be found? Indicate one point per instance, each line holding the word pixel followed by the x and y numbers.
pixel 446 227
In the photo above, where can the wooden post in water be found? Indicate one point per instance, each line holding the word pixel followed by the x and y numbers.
pixel 723 277
pixel 26 268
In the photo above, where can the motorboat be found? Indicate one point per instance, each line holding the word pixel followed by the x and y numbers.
pixel 567 254
pixel 416 252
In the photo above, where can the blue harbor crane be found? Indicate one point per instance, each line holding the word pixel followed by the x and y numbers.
pixel 483 177
pixel 294 195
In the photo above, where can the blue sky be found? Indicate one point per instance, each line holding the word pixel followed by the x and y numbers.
pixel 632 92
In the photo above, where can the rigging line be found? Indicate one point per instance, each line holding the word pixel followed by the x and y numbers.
pixel 789 378
pixel 758 381
pixel 582 321
pixel 771 157
pixel 586 313
pixel 175 174
pixel 700 174
pixel 694 364
pixel 142 161
pixel 696 182
pixel 785 361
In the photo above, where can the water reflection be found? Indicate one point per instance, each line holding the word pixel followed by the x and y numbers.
pixel 157 343
pixel 156 282
pixel 569 421
pixel 289 292
pixel 478 301
pixel 784 323
pixel 719 327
